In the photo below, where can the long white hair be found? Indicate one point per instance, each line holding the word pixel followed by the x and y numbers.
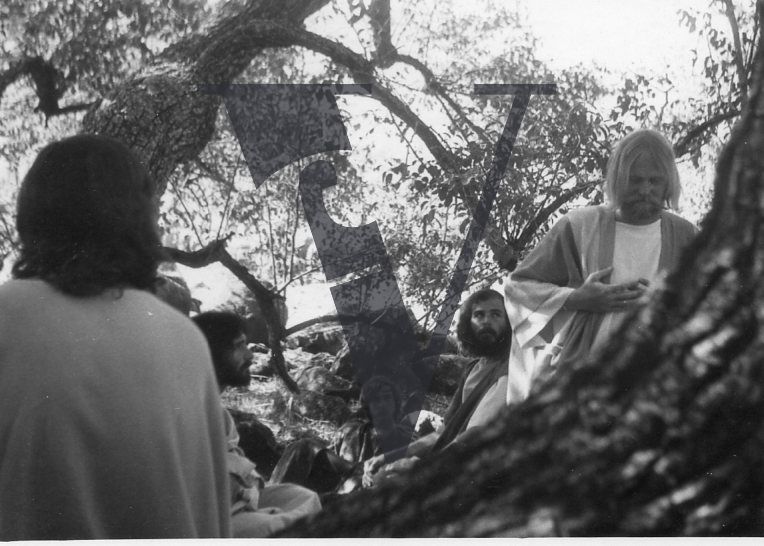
pixel 626 152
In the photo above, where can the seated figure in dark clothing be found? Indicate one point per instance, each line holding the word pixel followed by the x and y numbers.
pixel 338 468
pixel 483 331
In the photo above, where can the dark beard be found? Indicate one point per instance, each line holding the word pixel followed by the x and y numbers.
pixel 234 378
pixel 642 208
pixel 481 348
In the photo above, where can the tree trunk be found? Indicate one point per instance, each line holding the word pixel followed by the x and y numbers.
pixel 662 435
pixel 160 112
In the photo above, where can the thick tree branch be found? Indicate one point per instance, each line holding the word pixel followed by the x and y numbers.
pixel 197 259
pixel 247 37
pixel 222 51
pixel 165 97
pixel 363 72
pixel 167 91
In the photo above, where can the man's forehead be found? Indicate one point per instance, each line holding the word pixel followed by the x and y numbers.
pixel 647 160
pixel 490 304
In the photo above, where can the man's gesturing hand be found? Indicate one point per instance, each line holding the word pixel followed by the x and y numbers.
pixel 597 297
pixel 370 468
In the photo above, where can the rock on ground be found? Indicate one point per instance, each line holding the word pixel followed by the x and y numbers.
pixel 320 338
pixel 320 407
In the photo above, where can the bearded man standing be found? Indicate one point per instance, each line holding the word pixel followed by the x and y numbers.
pixel 597 263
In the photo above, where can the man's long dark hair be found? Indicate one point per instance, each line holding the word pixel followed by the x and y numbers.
pixel 220 328
pixel 469 343
pixel 86 218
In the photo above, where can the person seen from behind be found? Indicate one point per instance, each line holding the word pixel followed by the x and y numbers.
pixel 108 428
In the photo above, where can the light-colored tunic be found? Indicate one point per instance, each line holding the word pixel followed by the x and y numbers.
pixel 110 423
pixel 636 253
pixel 260 510
pixel 581 243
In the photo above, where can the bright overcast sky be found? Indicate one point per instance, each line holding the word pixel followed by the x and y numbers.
pixel 630 35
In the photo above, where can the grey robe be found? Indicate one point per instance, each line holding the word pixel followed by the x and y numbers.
pixel 578 245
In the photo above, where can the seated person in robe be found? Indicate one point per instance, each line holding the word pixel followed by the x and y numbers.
pixel 483 332
pixel 257 509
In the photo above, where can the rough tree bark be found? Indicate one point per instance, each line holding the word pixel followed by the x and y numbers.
pixel 662 435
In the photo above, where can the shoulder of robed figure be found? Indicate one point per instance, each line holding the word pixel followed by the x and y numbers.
pixel 679 223
pixel 578 219
pixel 587 215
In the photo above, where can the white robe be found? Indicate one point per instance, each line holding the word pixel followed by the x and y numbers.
pixel 260 510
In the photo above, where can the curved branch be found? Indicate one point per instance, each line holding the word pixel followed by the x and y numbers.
pixel 544 213
pixel 247 37
pixel 216 252
pixel 363 72
pixel 48 85
pixel 264 298
pixel 433 83
pixel 15 71
pixel 683 145
pixel 196 259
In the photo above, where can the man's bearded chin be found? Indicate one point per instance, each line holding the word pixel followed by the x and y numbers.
pixel 496 346
pixel 645 206
pixel 235 378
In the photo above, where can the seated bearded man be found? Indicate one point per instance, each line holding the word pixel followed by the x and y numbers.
pixel 483 332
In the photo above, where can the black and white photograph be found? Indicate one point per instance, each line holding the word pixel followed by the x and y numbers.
pixel 381 269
